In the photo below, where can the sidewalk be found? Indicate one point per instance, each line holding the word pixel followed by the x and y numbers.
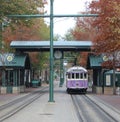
pixel 5 98
pixel 113 100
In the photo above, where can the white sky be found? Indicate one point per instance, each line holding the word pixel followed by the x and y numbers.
pixel 61 25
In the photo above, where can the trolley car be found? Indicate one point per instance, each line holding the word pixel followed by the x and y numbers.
pixel 77 79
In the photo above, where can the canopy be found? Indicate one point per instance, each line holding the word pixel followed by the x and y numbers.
pixel 57 45
pixel 14 60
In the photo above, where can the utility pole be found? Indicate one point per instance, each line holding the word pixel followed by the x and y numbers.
pixel 51 85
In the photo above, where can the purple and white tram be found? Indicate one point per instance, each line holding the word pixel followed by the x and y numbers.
pixel 77 79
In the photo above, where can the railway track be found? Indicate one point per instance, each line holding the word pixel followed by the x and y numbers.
pixel 90 109
pixel 11 108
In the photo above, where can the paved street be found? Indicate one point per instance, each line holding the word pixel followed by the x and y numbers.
pixel 62 110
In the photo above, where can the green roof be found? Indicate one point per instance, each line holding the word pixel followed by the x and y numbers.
pixel 111 72
pixel 14 60
pixel 94 61
pixel 57 45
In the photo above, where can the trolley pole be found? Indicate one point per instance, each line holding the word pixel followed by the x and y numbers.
pixel 51 95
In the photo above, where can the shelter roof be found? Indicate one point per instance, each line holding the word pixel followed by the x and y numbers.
pixel 57 45
pixel 11 60
pixel 94 61
pixel 111 72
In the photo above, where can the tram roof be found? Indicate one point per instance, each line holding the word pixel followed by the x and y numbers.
pixel 57 45
pixel 77 69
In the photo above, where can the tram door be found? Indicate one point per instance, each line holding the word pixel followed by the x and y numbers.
pixel 9 80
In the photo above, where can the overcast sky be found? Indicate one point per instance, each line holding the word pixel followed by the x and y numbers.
pixel 61 25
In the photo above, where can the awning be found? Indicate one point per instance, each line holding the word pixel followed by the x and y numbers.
pixel 14 60
pixel 94 61
pixel 111 72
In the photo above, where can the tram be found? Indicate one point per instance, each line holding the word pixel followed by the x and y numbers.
pixel 77 79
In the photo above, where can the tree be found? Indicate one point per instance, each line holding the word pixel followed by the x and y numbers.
pixel 9 7
pixel 23 28
pixel 106 26
pixel 38 30
pixel 83 31
pixel 104 30
pixel 39 60
pixel 12 7
pixel 69 36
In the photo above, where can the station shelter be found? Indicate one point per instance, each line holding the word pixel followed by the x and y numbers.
pixel 102 78
pixel 14 72
pixel 59 47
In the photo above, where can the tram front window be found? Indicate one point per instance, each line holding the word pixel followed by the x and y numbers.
pixel 72 75
pixel 77 75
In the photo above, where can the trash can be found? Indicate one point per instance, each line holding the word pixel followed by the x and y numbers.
pixel 35 83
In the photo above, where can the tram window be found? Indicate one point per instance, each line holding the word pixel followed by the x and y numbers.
pixel 77 75
pixel 81 76
pixel 72 75
pixel 69 75
pixel 85 75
